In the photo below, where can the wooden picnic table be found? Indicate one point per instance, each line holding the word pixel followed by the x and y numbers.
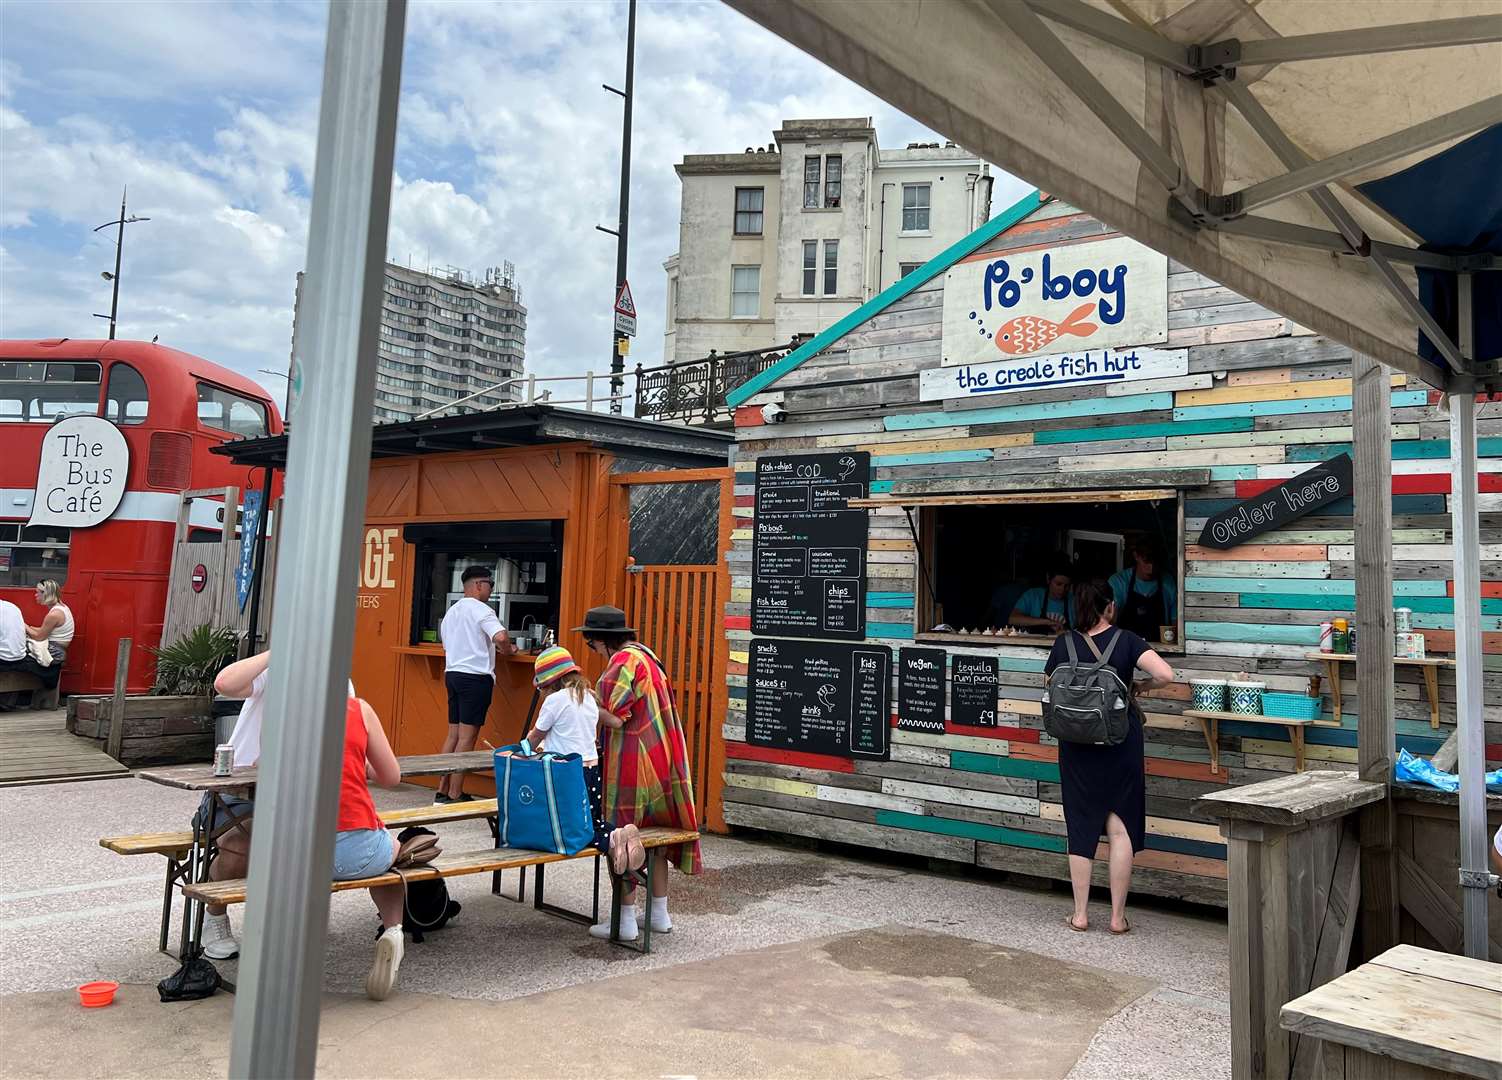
pixel 201 777
pixel 1410 1014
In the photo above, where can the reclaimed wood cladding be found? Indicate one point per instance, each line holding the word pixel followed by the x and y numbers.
pixel 1271 400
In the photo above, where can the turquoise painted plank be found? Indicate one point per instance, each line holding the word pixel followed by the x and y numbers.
pixel 1305 586
pixel 889 599
pixel 1017 663
pixel 881 487
pixel 1256 633
pixel 1336 403
pixel 1402 450
pixel 942 457
pixel 1145 431
pixel 895 292
pixel 1015 414
pixel 966 761
pixel 1421 605
pixel 971 830
pixel 898 631
pixel 1233 472
pixel 1489 623
pixel 1179 846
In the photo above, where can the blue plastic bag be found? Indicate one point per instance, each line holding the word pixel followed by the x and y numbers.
pixel 1417 770
pixel 543 801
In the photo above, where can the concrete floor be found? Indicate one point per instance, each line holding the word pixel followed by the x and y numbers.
pixel 784 962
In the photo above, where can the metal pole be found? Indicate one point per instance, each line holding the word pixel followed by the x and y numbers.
pixel 257 579
pixel 1464 529
pixel 119 247
pixel 617 361
pixel 275 1030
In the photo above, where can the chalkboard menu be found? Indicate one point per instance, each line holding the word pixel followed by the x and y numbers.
pixel 822 699
pixel 808 572
pixel 920 690
pixel 974 685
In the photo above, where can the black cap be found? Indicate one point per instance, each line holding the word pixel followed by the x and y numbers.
pixel 605 620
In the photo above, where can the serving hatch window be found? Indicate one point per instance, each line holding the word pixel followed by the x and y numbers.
pixel 523 557
pixel 1006 570
pixel 32 553
pixel 45 391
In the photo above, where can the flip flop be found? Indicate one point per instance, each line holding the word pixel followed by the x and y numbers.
pixel 618 852
pixel 1118 933
pixel 1077 929
pixel 636 851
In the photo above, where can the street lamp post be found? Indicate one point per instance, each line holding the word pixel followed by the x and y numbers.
pixel 119 247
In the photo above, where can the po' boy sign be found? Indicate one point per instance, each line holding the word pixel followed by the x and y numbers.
pixel 1280 505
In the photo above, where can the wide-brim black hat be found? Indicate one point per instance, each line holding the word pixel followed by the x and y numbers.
pixel 605 620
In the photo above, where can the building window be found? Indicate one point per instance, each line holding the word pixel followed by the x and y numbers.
pixel 831 267
pixel 32 553
pixel 904 269
pixel 745 292
pixel 749 202
pixel 915 203
pixel 125 399
pixel 832 182
pixel 810 268
pixel 811 182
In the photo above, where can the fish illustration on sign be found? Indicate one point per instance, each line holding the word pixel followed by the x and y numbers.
pixel 1028 333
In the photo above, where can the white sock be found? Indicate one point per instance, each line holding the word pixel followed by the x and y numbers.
pixel 659 908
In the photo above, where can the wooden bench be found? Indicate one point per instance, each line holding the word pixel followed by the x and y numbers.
pixel 484 861
pixel 175 845
pixel 19 682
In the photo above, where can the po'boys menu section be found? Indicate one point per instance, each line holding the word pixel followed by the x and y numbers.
pixel 819 698
pixel 808 572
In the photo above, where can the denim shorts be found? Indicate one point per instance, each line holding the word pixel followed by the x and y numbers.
pixel 361 853
pixel 231 808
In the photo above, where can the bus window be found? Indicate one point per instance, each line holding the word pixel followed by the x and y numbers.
pixel 44 391
pixel 126 400
pixel 32 554
pixel 227 411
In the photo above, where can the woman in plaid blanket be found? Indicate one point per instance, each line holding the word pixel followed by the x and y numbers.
pixel 644 763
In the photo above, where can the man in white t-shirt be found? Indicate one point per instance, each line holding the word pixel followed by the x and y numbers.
pixel 12 632
pixel 471 631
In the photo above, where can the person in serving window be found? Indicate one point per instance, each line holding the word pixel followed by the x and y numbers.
pixel 1047 607
pixel 1145 600
pixel 471 633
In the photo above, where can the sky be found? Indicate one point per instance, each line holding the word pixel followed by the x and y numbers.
pixel 507 149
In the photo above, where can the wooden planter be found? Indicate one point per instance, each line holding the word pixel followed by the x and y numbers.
pixel 158 729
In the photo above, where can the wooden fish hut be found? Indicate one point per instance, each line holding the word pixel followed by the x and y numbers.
pixel 1048 392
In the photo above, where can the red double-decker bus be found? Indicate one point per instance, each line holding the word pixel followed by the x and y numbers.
pixel 171 407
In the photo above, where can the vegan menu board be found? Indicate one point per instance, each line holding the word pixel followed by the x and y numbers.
pixel 819 698
pixel 974 686
pixel 920 690
pixel 808 572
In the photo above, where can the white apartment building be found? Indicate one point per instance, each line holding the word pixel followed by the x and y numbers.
pixel 788 238
pixel 445 336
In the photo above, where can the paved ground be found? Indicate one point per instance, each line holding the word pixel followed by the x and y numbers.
pixel 35 746
pixel 785 962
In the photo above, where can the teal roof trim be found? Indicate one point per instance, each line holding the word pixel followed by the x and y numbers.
pixel 879 303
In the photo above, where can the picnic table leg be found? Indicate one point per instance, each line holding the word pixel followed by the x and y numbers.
pixel 173 872
pixel 646 924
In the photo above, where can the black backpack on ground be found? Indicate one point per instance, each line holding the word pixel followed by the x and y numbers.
pixel 1087 703
pixel 427 905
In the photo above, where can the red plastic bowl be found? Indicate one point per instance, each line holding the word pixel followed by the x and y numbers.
pixel 96 995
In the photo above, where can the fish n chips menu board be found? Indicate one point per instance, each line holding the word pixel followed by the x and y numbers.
pixel 819 698
pixel 808 574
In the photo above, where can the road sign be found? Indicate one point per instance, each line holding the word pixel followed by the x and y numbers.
pixel 624 305
pixel 625 324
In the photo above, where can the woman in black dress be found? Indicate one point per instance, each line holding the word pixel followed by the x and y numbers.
pixel 1104 787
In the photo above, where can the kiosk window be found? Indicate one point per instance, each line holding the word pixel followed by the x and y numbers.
pixel 524 559
pixel 32 553
pixel 1001 569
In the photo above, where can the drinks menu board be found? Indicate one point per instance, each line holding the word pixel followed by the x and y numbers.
pixel 819 698
pixel 920 690
pixel 974 686
pixel 808 571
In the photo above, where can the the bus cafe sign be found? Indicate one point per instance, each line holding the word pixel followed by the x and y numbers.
pixel 1280 505
pixel 1084 367
pixel 81 478
pixel 1080 296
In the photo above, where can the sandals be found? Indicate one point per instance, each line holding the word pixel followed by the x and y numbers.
pixel 627 853
pixel 1077 929
pixel 1127 929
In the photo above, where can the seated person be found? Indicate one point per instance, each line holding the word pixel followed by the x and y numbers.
pixel 1004 601
pixel 1145 600
pixel 56 627
pixel 1049 607
pixel 12 634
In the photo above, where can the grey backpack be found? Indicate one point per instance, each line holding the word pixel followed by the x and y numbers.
pixel 1087 703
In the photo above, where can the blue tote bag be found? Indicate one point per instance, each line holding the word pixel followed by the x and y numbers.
pixel 543 801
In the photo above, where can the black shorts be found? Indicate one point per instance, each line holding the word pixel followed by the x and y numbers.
pixel 469 697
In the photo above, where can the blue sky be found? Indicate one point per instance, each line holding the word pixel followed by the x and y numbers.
pixel 507 150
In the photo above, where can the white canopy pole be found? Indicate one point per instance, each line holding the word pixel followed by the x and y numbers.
pixel 1465 523
pixel 286 915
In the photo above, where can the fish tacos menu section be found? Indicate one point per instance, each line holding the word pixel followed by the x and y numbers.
pixel 920 690
pixel 819 698
pixel 974 686
pixel 808 574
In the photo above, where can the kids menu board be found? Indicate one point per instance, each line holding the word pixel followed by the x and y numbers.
pixel 819 698
pixel 808 574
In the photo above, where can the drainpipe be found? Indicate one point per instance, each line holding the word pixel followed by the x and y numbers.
pixel 881 238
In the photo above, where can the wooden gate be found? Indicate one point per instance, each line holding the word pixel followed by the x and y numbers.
pixel 201 587
pixel 678 610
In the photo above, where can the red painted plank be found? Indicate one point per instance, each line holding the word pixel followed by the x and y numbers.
pixel 737 622
pixel 773 756
pixel 1018 734
pixel 1443 641
pixel 1185 770
pixel 1034 752
pixel 978 732
pixel 745 500
pixel 1489 589
pixel 748 416
pixel 1402 484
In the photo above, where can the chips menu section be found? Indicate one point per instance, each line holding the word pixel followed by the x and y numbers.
pixel 974 686
pixel 820 698
pixel 808 571
pixel 920 690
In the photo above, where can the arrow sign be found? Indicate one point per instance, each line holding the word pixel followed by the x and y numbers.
pixel 624 305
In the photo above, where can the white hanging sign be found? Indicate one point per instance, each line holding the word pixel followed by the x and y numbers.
pixel 81 478
pixel 1085 367
pixel 1107 293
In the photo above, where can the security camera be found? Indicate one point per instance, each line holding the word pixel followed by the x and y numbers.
pixel 773 413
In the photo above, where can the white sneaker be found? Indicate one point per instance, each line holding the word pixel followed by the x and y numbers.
pixel 662 924
pixel 388 960
pixel 628 928
pixel 218 940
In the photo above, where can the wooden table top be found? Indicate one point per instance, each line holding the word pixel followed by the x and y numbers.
pixel 1428 1008
pixel 201 777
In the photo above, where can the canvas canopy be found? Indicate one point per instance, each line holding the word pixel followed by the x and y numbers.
pixel 1315 157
